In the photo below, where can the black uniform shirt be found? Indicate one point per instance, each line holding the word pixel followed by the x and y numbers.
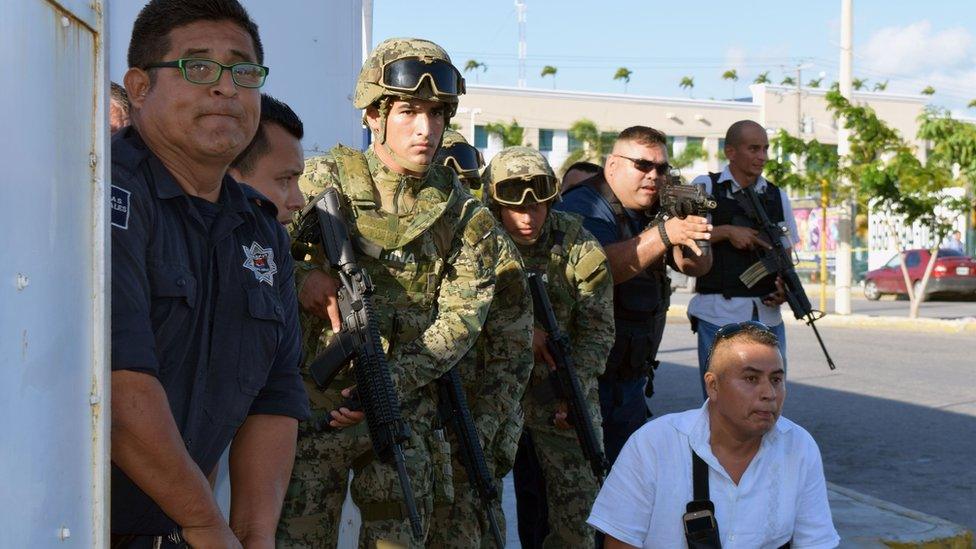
pixel 203 298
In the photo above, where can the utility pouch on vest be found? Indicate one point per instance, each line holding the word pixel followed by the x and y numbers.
pixel 440 458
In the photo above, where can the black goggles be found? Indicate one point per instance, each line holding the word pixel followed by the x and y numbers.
pixel 463 158
pixel 408 74
pixel 730 330
pixel 662 168
pixel 513 192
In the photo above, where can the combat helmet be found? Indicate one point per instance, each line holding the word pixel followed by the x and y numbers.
pixel 407 68
pixel 456 153
pixel 519 176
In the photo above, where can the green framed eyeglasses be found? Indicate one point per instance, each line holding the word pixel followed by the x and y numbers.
pixel 208 71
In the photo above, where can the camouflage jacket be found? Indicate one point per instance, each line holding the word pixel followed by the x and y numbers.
pixel 581 291
pixel 432 289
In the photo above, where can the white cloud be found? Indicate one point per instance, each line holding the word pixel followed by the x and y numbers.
pixel 917 47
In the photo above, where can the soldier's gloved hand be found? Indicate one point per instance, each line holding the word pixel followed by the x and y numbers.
pixel 539 349
pixel 210 536
pixel 561 418
pixel 319 296
pixel 346 416
pixel 685 232
pixel 745 238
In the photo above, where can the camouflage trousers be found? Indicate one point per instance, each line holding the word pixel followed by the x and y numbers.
pixel 464 524
pixel 570 487
pixel 317 490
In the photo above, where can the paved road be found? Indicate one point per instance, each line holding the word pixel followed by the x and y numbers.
pixel 886 306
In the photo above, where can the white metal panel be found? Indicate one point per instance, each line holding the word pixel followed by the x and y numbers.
pixel 53 315
pixel 314 49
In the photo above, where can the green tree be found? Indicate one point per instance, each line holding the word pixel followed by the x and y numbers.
pixel 733 76
pixel 881 86
pixel 763 78
pixel 929 90
pixel 596 144
pixel 687 83
pixel 815 83
pixel 693 151
pixel 788 81
pixel 511 134
pixel 473 65
pixel 549 70
pixel 623 73
pixel 971 104
pixel 886 173
pixel 859 83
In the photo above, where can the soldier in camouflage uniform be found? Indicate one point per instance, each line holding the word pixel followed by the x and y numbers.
pixel 494 374
pixel 520 188
pixel 426 244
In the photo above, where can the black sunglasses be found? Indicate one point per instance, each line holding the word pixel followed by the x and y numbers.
pixel 662 168
pixel 408 73
pixel 730 330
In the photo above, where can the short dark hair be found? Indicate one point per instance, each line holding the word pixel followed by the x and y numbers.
pixel 733 136
pixel 150 33
pixel 273 111
pixel 120 96
pixel 585 167
pixel 644 135
pixel 748 333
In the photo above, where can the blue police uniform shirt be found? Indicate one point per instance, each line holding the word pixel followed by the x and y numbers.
pixel 598 218
pixel 203 299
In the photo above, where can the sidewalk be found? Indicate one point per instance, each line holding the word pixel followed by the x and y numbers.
pixel 866 522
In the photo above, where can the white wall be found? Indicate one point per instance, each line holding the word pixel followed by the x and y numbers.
pixel 53 295
pixel 314 51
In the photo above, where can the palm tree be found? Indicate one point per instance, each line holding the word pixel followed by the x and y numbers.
pixel 815 83
pixel 763 78
pixel 732 75
pixel 596 144
pixel 881 86
pixel 859 83
pixel 972 104
pixel 473 65
pixel 511 134
pixel 929 90
pixel 623 73
pixel 788 81
pixel 687 83
pixel 549 70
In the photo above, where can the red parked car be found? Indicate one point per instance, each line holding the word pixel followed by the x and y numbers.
pixel 954 273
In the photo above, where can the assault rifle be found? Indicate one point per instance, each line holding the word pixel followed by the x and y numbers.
pixel 452 407
pixel 359 341
pixel 565 382
pixel 677 200
pixel 777 261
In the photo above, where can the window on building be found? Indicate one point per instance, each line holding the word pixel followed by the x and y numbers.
pixel 670 145
pixel 721 149
pixel 545 140
pixel 480 137
pixel 574 144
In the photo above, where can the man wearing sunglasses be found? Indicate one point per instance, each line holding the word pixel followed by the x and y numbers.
pixel 733 472
pixel 205 335
pixel 619 206
pixel 494 374
pixel 552 476
pixel 427 246
pixel 720 296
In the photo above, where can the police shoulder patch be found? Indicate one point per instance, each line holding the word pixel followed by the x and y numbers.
pixel 120 207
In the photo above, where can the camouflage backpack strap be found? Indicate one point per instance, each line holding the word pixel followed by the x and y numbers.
pixel 440 196
pixel 354 177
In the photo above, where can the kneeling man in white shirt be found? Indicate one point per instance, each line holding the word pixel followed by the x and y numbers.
pixel 765 477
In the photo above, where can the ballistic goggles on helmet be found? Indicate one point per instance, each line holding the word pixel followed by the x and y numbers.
pixel 463 158
pixel 513 192
pixel 408 73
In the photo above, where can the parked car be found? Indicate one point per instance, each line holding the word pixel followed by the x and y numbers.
pixel 953 274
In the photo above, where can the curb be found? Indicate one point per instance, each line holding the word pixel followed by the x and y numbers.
pixel 928 325
pixel 909 529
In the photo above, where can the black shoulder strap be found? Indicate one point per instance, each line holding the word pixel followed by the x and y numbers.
pixel 699 477
pixel 600 185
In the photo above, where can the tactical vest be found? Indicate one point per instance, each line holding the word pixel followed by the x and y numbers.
pixel 551 257
pixel 728 262
pixel 638 300
pixel 405 254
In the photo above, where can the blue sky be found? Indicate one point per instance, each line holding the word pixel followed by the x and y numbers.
pixel 910 44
